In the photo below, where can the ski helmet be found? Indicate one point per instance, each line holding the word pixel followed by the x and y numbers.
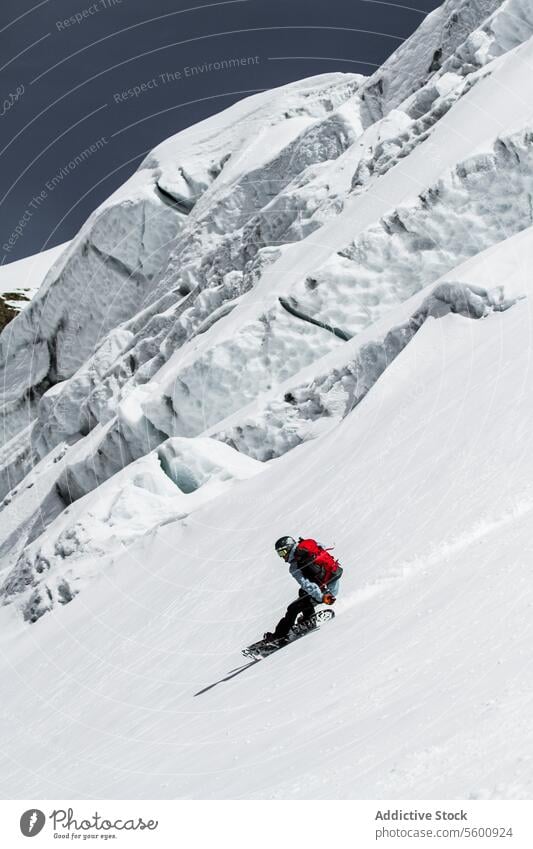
pixel 283 546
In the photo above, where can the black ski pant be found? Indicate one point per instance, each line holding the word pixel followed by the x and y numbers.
pixel 303 604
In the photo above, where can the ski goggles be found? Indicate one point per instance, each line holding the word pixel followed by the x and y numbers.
pixel 283 552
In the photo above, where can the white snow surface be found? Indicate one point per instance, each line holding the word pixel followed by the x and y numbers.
pixel 24 276
pixel 308 314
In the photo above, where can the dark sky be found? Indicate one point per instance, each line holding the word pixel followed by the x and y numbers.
pixel 60 81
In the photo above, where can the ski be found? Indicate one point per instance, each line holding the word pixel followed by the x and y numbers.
pixel 264 648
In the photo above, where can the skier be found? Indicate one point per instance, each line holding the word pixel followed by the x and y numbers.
pixel 318 574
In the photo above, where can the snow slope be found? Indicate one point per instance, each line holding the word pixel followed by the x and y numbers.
pixel 24 276
pixel 420 688
pixel 308 314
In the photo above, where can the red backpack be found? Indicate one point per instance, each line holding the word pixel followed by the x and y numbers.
pixel 321 557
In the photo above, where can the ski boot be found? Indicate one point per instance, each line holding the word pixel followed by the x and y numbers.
pixel 262 648
pixel 303 625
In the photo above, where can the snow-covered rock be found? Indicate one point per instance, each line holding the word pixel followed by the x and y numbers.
pixel 165 486
pixel 312 403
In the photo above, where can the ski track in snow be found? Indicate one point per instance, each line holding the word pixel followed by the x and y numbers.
pixel 442 553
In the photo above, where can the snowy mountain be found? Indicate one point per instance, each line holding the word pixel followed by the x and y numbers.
pixel 307 315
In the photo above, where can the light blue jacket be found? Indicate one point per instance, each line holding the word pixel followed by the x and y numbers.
pixel 309 587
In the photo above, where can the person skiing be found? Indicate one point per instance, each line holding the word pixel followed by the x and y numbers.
pixel 318 574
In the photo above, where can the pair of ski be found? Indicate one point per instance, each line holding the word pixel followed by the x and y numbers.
pixel 264 648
